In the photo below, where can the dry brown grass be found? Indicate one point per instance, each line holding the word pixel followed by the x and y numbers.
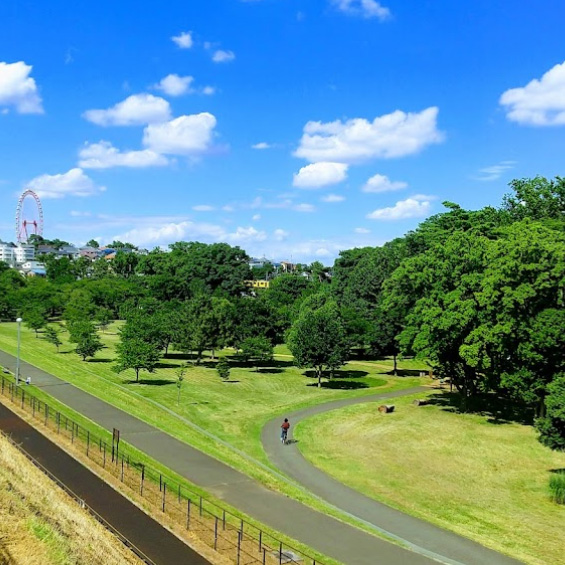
pixel 41 525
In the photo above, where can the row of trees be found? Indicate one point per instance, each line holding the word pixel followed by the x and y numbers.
pixel 479 295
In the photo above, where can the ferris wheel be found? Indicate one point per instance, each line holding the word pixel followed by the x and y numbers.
pixel 29 216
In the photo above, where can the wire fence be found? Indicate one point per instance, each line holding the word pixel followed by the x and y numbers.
pixel 189 511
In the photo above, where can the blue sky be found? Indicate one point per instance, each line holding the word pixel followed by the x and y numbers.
pixel 293 128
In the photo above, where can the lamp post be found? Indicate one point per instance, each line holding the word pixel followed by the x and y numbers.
pixel 19 320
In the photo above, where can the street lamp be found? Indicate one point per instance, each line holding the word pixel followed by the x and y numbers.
pixel 19 320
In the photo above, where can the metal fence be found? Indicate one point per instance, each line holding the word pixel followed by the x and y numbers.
pixel 185 508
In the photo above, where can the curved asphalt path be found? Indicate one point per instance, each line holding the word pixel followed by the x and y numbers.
pixel 421 536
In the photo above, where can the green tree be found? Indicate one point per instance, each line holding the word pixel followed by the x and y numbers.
pixel 134 353
pixel 93 243
pixel 317 340
pixel 51 335
pixel 35 319
pixel 223 368
pixel 552 425
pixel 103 318
pixel 180 372
pixel 84 335
pixel 258 350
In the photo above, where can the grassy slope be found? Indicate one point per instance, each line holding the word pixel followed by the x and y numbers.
pixel 235 411
pixel 482 480
pixel 40 524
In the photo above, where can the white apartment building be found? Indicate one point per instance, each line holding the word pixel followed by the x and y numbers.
pixel 24 253
pixel 7 253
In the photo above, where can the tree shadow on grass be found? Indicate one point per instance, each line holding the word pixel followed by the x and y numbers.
pixel 230 381
pixel 166 366
pixel 406 373
pixel 497 410
pixel 345 374
pixel 269 371
pixel 340 385
pixel 152 382
pixel 180 356
pixel 99 360
pixel 558 471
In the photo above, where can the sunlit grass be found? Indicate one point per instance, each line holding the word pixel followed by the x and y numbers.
pixel 482 480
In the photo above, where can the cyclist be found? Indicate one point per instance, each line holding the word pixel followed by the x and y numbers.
pixel 284 430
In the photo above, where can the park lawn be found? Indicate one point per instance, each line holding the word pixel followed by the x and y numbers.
pixel 235 411
pixel 486 481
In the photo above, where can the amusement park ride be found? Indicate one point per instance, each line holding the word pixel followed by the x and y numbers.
pixel 29 216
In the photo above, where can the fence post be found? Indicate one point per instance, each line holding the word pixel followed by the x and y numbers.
pixel 179 493
pixel 216 534
pixel 260 539
pixel 188 513
pixel 142 479
pixel 72 432
pixel 224 520
pixel 58 422
pixel 160 482
pixel 33 406
pixel 46 415
pixel 164 494
pixel 264 555
pixel 2 385
pixel 122 468
pixel 280 553
pixel 241 527
pixel 23 398
pixel 238 546
pixel 12 391
pixel 104 464
pixel 87 441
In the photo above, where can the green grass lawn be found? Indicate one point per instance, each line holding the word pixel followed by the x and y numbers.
pixel 233 411
pixel 487 481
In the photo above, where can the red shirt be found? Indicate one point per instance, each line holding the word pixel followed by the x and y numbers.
pixel 285 425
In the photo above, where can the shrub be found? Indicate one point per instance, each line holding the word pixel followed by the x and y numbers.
pixel 557 487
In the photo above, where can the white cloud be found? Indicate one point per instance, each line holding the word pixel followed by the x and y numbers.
pixel 175 85
pixel 280 234
pixel 261 145
pixel 79 214
pixel 303 208
pixel 104 155
pixel 18 89
pixel 245 235
pixel 539 103
pixel 203 208
pixel 256 217
pixel 320 174
pixel 381 183
pixel 417 206
pixel 72 183
pixel 494 172
pixel 392 135
pixel 228 208
pixel 362 230
pixel 364 8
pixel 333 198
pixel 185 135
pixel 135 110
pixel 209 90
pixel 221 56
pixel 183 40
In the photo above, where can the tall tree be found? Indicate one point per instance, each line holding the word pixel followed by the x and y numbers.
pixel 51 335
pixel 258 350
pixel 134 353
pixel 85 336
pixel 317 340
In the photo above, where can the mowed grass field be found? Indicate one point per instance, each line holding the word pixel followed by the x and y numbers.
pixel 235 411
pixel 486 481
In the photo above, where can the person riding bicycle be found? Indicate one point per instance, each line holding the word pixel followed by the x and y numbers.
pixel 284 430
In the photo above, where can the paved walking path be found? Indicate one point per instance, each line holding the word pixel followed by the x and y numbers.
pixel 327 535
pixel 155 542
pixel 421 535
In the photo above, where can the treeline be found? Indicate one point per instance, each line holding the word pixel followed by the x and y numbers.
pixel 479 295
